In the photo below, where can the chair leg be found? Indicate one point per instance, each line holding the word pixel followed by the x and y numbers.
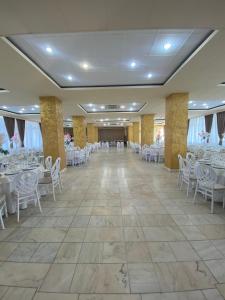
pixel 18 211
pixel 195 192
pixel 1 220
pixel 53 192
pixel 223 199
pixel 6 211
pixel 38 201
pixel 212 203
pixel 188 187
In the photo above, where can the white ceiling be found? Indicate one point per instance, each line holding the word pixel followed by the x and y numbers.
pixel 200 76
pixel 111 58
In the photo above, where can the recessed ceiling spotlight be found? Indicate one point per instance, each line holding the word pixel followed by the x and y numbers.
pixel 69 119
pixel 32 108
pixel 69 77
pixel 204 104
pixel 118 119
pixel 167 46
pixel 49 49
pixel 85 66
pixel 149 75
pixel 194 104
pixel 104 124
pixel 207 106
pixel 223 101
pixel 90 104
pixel 134 103
pixel 94 109
pixel 133 64
pixel 36 106
pixel 190 102
pixel 106 119
pixel 124 119
pixel 5 107
pixel 102 107
pixel 131 109
pixel 101 120
pixel 23 109
pixel 20 111
pixel 122 106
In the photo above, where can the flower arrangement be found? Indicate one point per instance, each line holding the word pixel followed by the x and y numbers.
pixel 67 139
pixel 204 136
pixel 2 139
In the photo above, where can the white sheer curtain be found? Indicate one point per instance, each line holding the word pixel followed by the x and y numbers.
pixel 33 137
pixel 17 140
pixel 6 142
pixel 214 138
pixel 196 126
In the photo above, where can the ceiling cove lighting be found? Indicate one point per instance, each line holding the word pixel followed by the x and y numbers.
pixel 167 46
pixel 49 50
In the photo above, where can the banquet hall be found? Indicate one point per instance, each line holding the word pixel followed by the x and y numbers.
pixel 112 150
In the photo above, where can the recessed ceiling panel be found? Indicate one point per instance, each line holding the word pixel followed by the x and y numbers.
pixel 205 105
pixel 116 58
pixel 23 110
pixel 103 108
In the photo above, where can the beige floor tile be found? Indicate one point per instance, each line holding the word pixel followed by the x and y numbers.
pixel 104 235
pixel 161 252
pixel 131 221
pixel 213 232
pixel 80 221
pixel 217 267
pixel 212 294
pixel 221 289
pixel 192 233
pixel 109 297
pixel 114 252
pixel 91 253
pixel 183 251
pixel 156 220
pixel 143 278
pixel 55 235
pixel 22 274
pixel 133 234
pixel 68 253
pixel 220 245
pixel 58 278
pixel 17 293
pixel 137 252
pixel 181 276
pixel 163 233
pixel 6 249
pixel 45 253
pixel 192 295
pixel 75 235
pixel 3 290
pixel 100 278
pixel 206 250
pixel 23 252
pixel 55 296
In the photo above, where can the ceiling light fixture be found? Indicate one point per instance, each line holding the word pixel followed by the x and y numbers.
pixel 85 66
pixel 149 75
pixel 94 109
pixel 49 49
pixel 5 107
pixel 134 103
pixel 69 77
pixel 131 109
pixel 23 109
pixel 104 124
pixel 101 120
pixel 190 102
pixel 90 104
pixel 36 106
pixel 194 104
pixel 32 108
pixel 122 106
pixel 223 101
pixel 167 46
pixel 204 104
pixel 102 107
pixel 133 64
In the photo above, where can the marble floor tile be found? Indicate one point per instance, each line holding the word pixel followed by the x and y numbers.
pixel 213 232
pixel 143 278
pixel 163 233
pixel 58 278
pixel 6 249
pixel 113 252
pixel 91 253
pixel 109 297
pixel 104 235
pixel 80 221
pixel 137 252
pixel 100 278
pixel 54 235
pixel 133 234
pixel 220 245
pixel 212 294
pixel 75 235
pixel 22 274
pixel 221 289
pixel 131 221
pixel 181 276
pixel 206 250
pixel 68 253
pixel 23 252
pixel 14 293
pixel 161 252
pixel 45 253
pixel 183 251
pixel 192 295
pixel 55 296
pixel 217 267
pixel 192 233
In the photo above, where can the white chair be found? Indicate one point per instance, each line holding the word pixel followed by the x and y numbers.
pixel 48 163
pixel 26 190
pixel 160 154
pixel 54 179
pixel 206 184
pixel 180 173
pixel 70 157
pixel 190 156
pixel 3 210
pixel 188 176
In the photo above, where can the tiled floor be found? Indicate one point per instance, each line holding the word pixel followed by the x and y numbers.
pixel 121 230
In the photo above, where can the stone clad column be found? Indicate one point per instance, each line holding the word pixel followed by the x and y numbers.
pixel 91 133
pixel 136 129
pixel 175 128
pixel 79 131
pixel 96 134
pixel 52 128
pixel 147 129
pixel 130 133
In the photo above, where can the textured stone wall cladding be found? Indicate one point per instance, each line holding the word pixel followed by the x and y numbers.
pixel 147 129
pixel 175 128
pixel 79 131
pixel 130 133
pixel 136 132
pixel 92 133
pixel 52 128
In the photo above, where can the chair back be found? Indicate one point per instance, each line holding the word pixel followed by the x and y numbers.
pixel 190 156
pixel 205 175
pixel 48 163
pixel 26 183
pixel 55 170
